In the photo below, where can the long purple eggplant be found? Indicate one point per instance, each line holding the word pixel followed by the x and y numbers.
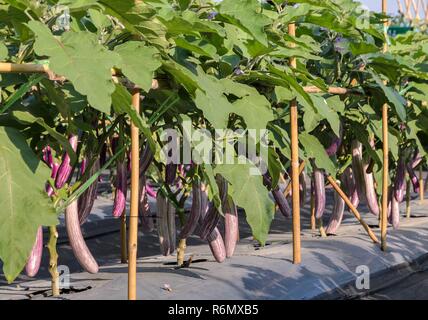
pixel 172 231
pixel 77 242
pixel 33 263
pixel 144 208
pixel 121 189
pixel 86 201
pixel 65 168
pixel 146 158
pixel 212 216
pixel 215 240
pixel 394 217
pixel 162 224
pixel 334 147
pixel 150 192
pixel 47 156
pixel 337 214
pixel 278 195
pixel 216 243
pixel 358 169
pixel 170 173
pixel 231 227
pixel 350 186
pixel 400 180
pixel 195 212
pixel 413 177
pixel 371 196
pixel 49 189
pixel 364 181
pixel 319 192
pixel 303 188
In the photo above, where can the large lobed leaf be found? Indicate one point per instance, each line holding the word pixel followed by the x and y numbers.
pixel 23 201
pixel 248 191
pixel 81 59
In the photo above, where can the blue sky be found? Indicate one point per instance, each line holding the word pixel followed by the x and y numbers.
pixel 376 5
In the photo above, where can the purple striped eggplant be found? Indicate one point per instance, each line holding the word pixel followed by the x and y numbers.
pixel 162 224
pixel 364 181
pixel 33 263
pixel 172 231
pixel 216 243
pixel 212 216
pixel 65 169
pixel 49 189
pixel 400 180
pixel 394 216
pixel 144 208
pixel 417 159
pixel 413 177
pixel 371 195
pixel 77 242
pixel 195 212
pixel 146 159
pixel 278 195
pixel 86 201
pixel 319 192
pixel 231 228
pixel 337 214
pixel 121 190
pixel 170 173
pixel 303 188
pixel 358 169
pixel 334 147
pixel 150 192
pixel 47 156
pixel 350 187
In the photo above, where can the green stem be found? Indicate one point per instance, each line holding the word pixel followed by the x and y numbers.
pixel 53 261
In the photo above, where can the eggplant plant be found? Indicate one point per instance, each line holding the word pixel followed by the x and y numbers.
pixel 217 65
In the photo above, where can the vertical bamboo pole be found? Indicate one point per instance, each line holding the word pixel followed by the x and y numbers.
pixel 123 246
pixel 384 217
pixel 133 217
pixel 295 165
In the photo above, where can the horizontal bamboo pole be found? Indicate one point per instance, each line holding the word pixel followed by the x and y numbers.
pixel 354 210
pixel 333 90
pixel 6 67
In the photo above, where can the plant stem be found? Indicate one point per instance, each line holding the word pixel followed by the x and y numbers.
pixel 180 252
pixel 53 260
pixel 321 228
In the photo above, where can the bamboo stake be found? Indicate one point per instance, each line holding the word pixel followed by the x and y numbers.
pixel 133 217
pixel 295 165
pixel 354 210
pixel 384 217
pixel 123 246
pixel 53 260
